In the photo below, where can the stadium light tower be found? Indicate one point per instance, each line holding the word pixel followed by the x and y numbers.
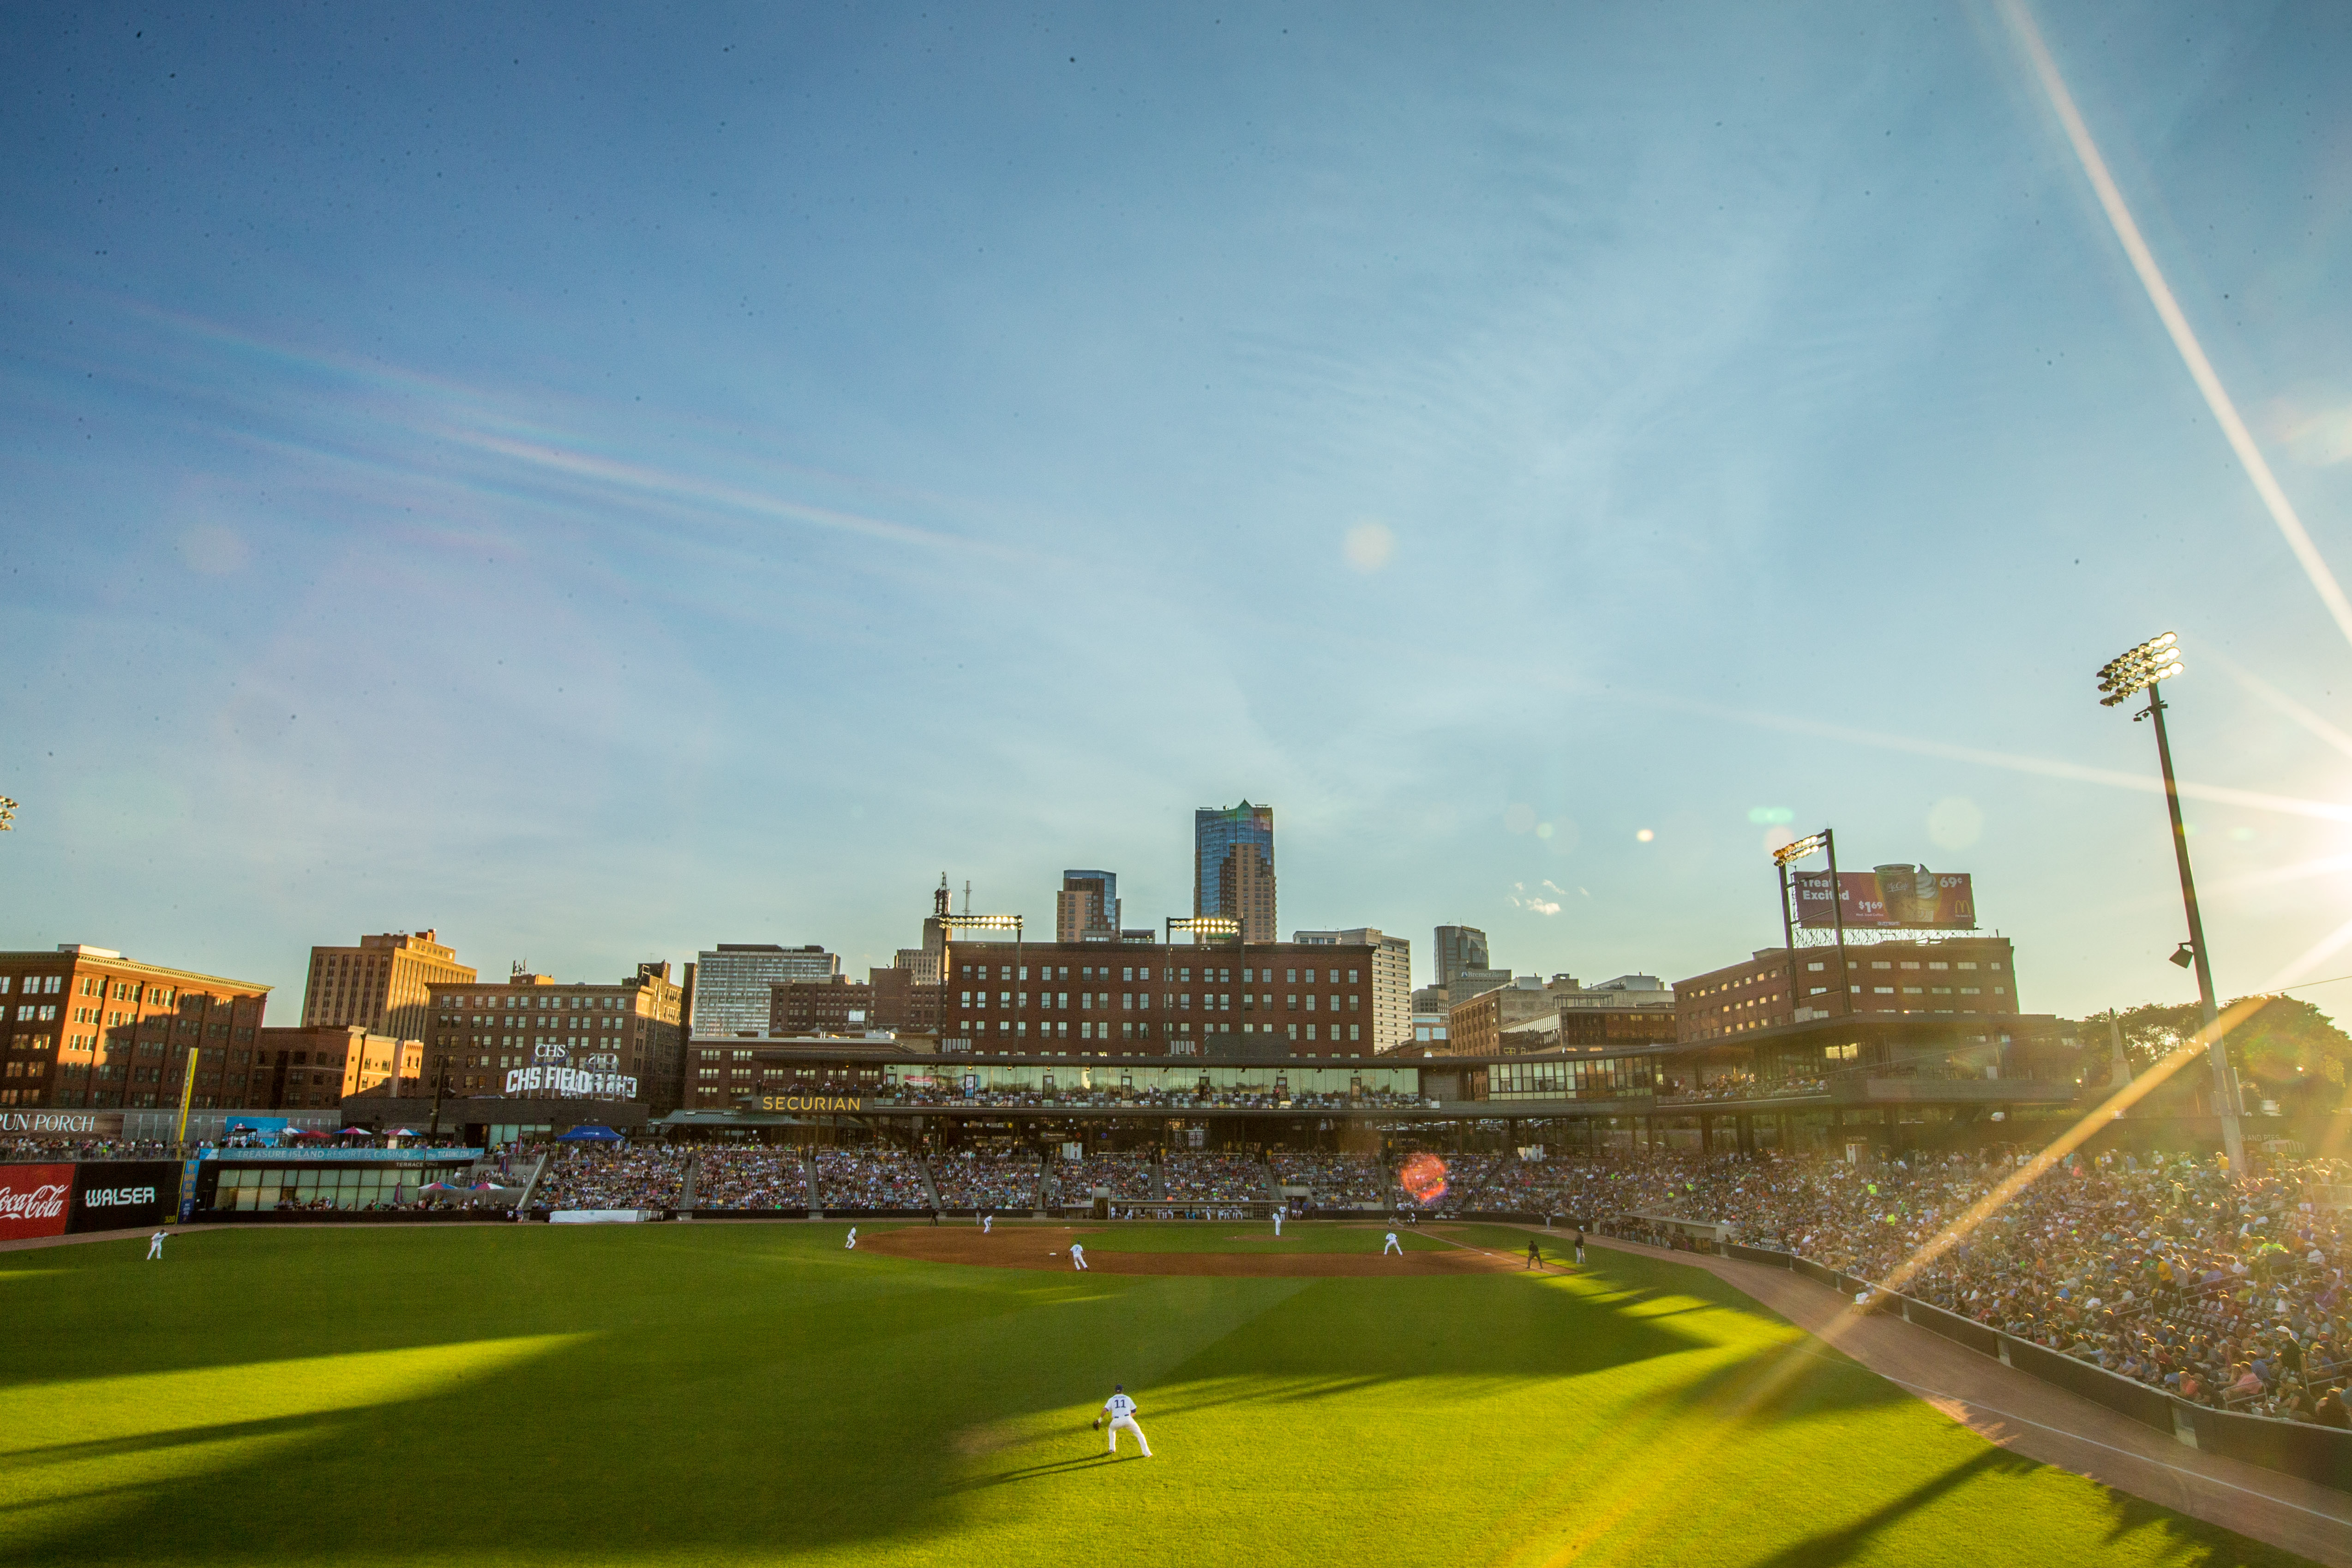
pixel 2146 668
pixel 7 815
pixel 1821 843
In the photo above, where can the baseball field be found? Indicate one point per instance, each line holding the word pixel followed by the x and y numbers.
pixel 692 1394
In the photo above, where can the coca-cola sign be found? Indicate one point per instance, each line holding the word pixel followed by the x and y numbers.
pixel 33 1200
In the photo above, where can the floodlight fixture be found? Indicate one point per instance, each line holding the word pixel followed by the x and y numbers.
pixel 1204 928
pixel 2144 668
pixel 980 922
pixel 7 815
pixel 2135 669
pixel 1791 853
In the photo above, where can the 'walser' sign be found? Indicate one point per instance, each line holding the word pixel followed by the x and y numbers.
pixel 109 1194
pixel 113 1194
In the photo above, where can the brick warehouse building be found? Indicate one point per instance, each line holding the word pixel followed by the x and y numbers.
pixel 86 1027
pixel 1971 975
pixel 480 1033
pixel 1150 999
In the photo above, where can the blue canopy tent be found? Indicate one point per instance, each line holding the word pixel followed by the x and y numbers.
pixel 591 1134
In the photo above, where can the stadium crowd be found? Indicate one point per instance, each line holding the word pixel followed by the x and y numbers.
pixel 1186 1177
pixel 996 1176
pixel 622 1176
pixel 2228 1292
pixel 1335 1181
pixel 874 1178
pixel 753 1178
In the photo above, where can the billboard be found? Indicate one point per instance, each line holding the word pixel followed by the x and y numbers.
pixel 123 1194
pixel 1887 896
pixel 96 1194
pixel 33 1200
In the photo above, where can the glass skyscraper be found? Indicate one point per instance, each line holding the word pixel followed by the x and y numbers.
pixel 1232 866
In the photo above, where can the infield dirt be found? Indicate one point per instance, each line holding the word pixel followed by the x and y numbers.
pixel 1048 1247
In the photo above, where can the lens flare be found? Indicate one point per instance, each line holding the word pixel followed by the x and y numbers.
pixel 1423 1177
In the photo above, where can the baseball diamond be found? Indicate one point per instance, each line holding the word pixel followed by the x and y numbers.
pixel 760 1392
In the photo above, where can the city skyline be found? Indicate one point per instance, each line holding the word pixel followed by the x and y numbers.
pixel 1548 455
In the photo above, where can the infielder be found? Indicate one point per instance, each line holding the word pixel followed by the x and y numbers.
pixel 1079 1261
pixel 155 1247
pixel 851 1243
pixel 1277 1225
pixel 1393 1245
pixel 1122 1410
pixel 985 1221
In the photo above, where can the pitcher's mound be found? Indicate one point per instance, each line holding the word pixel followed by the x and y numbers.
pixel 1048 1247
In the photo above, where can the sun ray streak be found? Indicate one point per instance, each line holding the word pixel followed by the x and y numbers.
pixel 2312 957
pixel 2176 322
pixel 2282 701
pixel 2047 767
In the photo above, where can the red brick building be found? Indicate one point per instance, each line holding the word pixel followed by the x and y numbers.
pixel 1147 999
pixel 802 1007
pixel 86 1027
pixel 1958 974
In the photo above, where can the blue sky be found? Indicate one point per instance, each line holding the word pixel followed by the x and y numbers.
pixel 603 484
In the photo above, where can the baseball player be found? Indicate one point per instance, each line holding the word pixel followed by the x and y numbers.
pixel 1277 1225
pixel 1535 1256
pixel 985 1221
pixel 1122 1410
pixel 1580 1246
pixel 1079 1261
pixel 851 1243
pixel 155 1247
pixel 1393 1245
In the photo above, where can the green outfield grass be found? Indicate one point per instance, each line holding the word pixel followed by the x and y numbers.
pixel 692 1394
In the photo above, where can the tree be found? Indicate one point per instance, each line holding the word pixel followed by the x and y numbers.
pixel 2284 1046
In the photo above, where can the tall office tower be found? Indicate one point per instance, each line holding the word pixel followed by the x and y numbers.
pixel 381 983
pixel 1086 908
pixel 731 981
pixel 1232 866
pixel 1392 979
pixel 1459 948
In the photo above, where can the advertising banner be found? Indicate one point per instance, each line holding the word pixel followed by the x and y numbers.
pixel 61 1124
pixel 1887 896
pixel 120 1194
pixel 34 1200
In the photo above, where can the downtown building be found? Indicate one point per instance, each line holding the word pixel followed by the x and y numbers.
pixel 532 1039
pixel 84 1026
pixel 1233 867
pixel 1149 999
pixel 1392 979
pixel 383 985
pixel 731 984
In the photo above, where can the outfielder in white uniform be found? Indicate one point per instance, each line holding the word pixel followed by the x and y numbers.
pixel 1122 1410
pixel 1393 1245
pixel 851 1242
pixel 155 1247
pixel 1078 1260
pixel 1277 1225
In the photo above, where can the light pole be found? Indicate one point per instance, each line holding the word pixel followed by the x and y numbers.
pixel 1216 928
pixel 2146 668
pixel 1821 843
